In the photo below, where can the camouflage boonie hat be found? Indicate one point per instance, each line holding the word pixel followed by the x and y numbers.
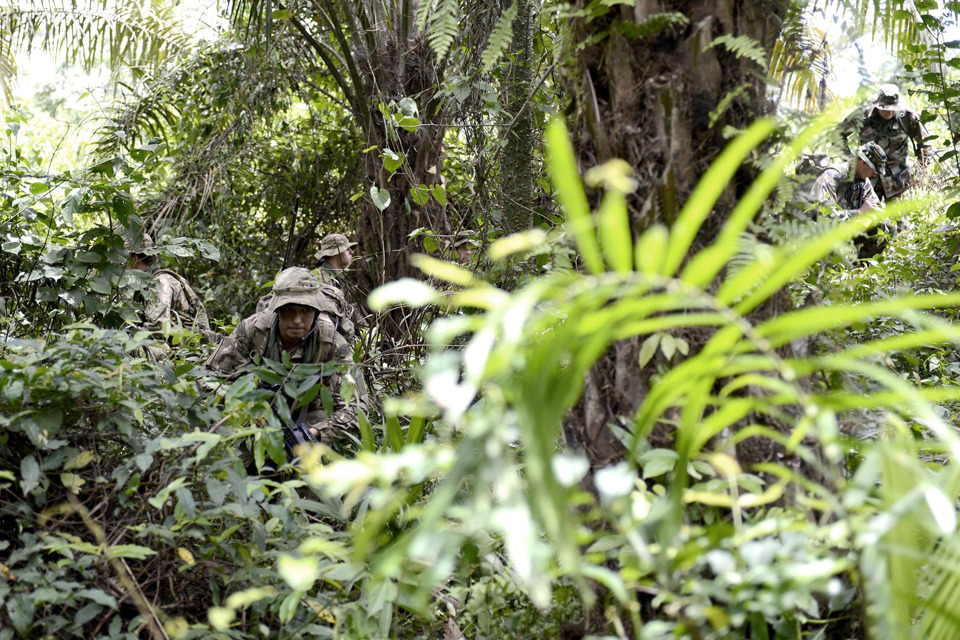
pixel 333 244
pixel 873 155
pixel 296 285
pixel 146 244
pixel 889 98
pixel 466 236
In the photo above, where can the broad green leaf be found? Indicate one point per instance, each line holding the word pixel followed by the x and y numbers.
pixel 129 551
pixel 394 433
pixel 420 194
pixel 439 193
pixel 517 243
pixel 648 349
pixel 391 160
pixel 651 249
pixel 221 617
pixel 300 573
pixel 380 197
pixel 289 606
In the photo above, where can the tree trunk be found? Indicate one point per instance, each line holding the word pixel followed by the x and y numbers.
pixel 517 166
pixel 650 100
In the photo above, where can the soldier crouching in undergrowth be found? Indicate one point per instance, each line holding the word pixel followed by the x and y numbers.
pixel 299 322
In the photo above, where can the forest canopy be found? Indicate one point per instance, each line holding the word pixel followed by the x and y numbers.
pixel 621 320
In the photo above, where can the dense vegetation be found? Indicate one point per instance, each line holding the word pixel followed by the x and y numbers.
pixel 655 403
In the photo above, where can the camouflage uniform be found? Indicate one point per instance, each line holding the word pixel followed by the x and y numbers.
pixel 840 186
pixel 257 335
pixel 331 245
pixel 173 301
pixel 893 136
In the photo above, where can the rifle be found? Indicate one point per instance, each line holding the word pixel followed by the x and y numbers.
pixel 297 435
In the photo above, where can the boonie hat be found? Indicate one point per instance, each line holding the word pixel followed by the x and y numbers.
pixel 889 98
pixel 296 285
pixel 873 155
pixel 333 244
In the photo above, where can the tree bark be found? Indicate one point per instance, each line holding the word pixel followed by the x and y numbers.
pixel 649 100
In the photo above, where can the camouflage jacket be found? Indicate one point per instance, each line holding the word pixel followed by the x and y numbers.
pixel 176 303
pixel 894 137
pixel 838 185
pixel 250 339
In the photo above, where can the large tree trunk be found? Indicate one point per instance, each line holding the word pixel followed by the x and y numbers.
pixel 649 100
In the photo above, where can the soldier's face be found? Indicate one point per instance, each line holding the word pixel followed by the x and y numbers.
pixel 294 321
pixel 887 114
pixel 864 170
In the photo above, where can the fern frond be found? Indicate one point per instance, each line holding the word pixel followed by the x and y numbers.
pixel 742 47
pixel 653 25
pixel 499 39
pixel 444 26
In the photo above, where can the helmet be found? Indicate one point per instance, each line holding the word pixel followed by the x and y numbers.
pixel 874 155
pixel 889 98
pixel 297 285
pixel 333 244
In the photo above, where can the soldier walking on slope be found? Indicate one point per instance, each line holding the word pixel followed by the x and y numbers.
pixel 892 125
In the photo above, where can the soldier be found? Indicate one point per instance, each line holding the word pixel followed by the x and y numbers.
pixel 847 185
pixel 175 302
pixel 299 321
pixel 464 246
pixel 892 125
pixel 334 256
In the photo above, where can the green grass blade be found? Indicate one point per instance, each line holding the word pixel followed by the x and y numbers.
pixel 708 190
pixel 566 180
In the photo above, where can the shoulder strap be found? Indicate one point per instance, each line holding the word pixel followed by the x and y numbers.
pixel 906 123
pixel 200 318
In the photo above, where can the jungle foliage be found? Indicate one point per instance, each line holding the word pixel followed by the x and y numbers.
pixel 139 497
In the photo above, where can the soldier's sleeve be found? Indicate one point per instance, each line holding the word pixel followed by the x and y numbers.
pixel 870 198
pixel 233 352
pixel 825 188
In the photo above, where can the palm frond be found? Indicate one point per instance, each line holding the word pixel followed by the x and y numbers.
pixel 136 35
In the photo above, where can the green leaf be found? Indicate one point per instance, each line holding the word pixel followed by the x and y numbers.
pixel 394 433
pixel 99 597
pixel 439 193
pixel 366 432
pixel 289 606
pixel 29 474
pixel 405 291
pixel 380 197
pixel 281 14
pixel 130 551
pixel 299 573
pixel 515 243
pixel 566 180
pixel 408 123
pixel 37 188
pixel 391 160
pixel 420 194
pixel 615 231
pixel 657 462
pixel 648 349
pixel 221 617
